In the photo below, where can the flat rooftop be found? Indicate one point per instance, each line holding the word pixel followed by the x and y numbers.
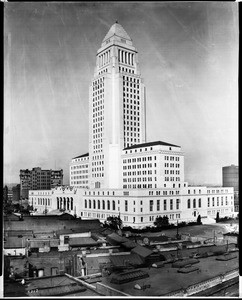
pixel 166 279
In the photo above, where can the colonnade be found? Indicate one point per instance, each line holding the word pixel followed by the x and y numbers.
pixel 65 203
pixel 126 57
pixel 104 58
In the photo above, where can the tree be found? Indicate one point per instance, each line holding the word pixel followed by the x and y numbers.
pixel 199 220
pixel 114 222
pixel 161 221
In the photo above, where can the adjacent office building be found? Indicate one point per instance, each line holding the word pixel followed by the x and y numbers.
pixel 37 179
pixel 124 174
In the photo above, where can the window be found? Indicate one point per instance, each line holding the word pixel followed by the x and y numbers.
pixel 90 204
pixel 177 203
pixel 151 205
pixel 199 202
pixel 103 204
pixel 94 204
pixel 213 201
pixel 126 205
pixel 66 239
pixel 158 205
pixel 85 203
pixel 194 203
pixel 217 201
pixel 98 204
pixel 164 204
pixel 208 202
pixel 113 205
pixel 188 203
pixel 171 204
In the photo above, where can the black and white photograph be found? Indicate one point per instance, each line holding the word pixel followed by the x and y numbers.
pixel 120 149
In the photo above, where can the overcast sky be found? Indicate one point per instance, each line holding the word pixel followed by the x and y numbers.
pixel 188 55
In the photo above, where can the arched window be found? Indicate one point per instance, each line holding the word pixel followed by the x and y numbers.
pixel 98 204
pixel 94 204
pixel 68 203
pixel 90 204
pixel 71 203
pixel 85 203
pixel 108 205
pixel 103 204
pixel 58 203
pixel 61 203
pixel 64 203
pixel 194 203
pixel 113 205
pixel 188 203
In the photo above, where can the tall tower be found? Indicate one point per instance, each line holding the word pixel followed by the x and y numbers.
pixel 116 108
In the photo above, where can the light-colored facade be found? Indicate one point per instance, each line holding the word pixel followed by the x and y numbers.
pixel 140 207
pixel 79 171
pixel 153 165
pixel 41 200
pixel 125 175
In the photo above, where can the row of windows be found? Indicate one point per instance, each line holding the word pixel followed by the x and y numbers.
pixel 172 179
pixel 194 203
pixel 100 204
pixel 129 95
pixel 79 167
pixel 97 119
pixel 129 167
pixel 149 172
pixel 213 212
pixel 172 172
pixel 130 79
pixel 84 171
pixel 130 84
pixel 79 177
pixel 177 158
pixel 79 182
pixel 96 125
pixel 80 159
pixel 139 159
pixel 133 110
pixel 96 163
pixel 103 71
pixel 212 203
pixel 158 204
pixel 98 103
pixel 98 81
pixel 136 150
pixel 126 70
pixel 130 90
pixel 98 94
pixel 97 169
pixel 217 191
pixel 97 86
pixel 44 201
pixel 172 165
pixel 139 179
pixel 139 186
pixel 98 175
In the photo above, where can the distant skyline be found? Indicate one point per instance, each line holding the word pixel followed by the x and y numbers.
pixel 188 55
